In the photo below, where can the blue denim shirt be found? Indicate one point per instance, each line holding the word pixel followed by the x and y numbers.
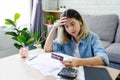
pixel 88 47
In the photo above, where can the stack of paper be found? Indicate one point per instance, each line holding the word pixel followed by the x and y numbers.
pixel 49 66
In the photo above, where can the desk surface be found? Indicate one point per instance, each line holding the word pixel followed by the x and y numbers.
pixel 14 68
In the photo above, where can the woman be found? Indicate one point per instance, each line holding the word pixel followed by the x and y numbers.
pixel 75 39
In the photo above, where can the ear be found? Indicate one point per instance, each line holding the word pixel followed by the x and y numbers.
pixel 80 23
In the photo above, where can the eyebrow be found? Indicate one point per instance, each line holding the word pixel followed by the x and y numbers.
pixel 72 22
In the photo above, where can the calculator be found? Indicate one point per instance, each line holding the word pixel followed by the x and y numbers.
pixel 68 73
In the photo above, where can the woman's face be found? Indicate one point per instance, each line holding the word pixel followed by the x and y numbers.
pixel 72 26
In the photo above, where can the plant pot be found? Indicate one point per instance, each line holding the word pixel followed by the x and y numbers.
pixel 50 22
pixel 24 52
pixel 37 46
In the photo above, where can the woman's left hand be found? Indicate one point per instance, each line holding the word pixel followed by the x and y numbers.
pixel 71 62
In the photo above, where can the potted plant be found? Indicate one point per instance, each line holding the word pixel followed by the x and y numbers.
pixel 23 37
pixel 39 42
pixel 50 19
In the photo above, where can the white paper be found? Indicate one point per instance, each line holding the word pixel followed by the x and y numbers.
pixel 49 66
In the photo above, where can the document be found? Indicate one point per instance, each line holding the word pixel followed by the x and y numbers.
pixel 47 65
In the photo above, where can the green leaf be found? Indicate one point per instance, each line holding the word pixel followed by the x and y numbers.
pixel 14 38
pixel 18 46
pixel 37 41
pixel 9 22
pixel 36 34
pixel 27 34
pixel 24 29
pixel 16 17
pixel 29 41
pixel 51 17
pixel 17 30
pixel 21 38
pixel 11 33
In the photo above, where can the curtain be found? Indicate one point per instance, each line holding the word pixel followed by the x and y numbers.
pixel 36 19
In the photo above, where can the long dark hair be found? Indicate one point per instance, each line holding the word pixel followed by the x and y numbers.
pixel 71 13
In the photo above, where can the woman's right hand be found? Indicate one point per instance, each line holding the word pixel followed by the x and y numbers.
pixel 60 22
pixel 74 62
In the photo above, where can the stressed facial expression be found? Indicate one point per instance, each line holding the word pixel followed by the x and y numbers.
pixel 72 26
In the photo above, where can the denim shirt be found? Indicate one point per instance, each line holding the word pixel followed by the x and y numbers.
pixel 88 47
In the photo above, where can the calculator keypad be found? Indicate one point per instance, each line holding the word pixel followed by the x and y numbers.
pixel 68 73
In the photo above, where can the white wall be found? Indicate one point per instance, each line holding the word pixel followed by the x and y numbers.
pixel 9 7
pixel 49 4
pixel 90 6
pixel 94 6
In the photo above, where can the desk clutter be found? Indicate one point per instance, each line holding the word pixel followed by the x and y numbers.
pixel 49 64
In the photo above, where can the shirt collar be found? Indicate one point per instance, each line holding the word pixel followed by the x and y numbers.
pixel 81 41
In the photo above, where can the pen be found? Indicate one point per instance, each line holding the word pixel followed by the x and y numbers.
pixel 32 58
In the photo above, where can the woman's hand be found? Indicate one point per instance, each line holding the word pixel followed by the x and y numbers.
pixel 76 62
pixel 60 22
pixel 71 62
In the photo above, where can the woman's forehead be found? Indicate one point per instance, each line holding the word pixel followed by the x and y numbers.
pixel 70 20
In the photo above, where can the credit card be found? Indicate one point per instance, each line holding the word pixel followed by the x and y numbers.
pixel 57 57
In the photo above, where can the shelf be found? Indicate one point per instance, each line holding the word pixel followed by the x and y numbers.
pixel 55 13
pixel 48 24
pixel 52 11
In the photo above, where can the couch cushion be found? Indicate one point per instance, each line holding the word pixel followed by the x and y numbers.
pixel 6 44
pixel 103 25
pixel 9 51
pixel 5 41
pixel 113 52
pixel 105 43
pixel 117 39
pixel 114 65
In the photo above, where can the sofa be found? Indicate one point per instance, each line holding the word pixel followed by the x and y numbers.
pixel 6 43
pixel 107 27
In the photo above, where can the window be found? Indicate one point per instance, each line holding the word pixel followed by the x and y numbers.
pixel 9 7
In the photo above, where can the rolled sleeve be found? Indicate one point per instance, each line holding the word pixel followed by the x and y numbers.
pixel 99 50
pixel 104 57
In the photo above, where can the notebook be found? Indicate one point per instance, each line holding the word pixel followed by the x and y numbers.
pixel 95 73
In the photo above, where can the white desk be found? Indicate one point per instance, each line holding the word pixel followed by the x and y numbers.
pixel 14 68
